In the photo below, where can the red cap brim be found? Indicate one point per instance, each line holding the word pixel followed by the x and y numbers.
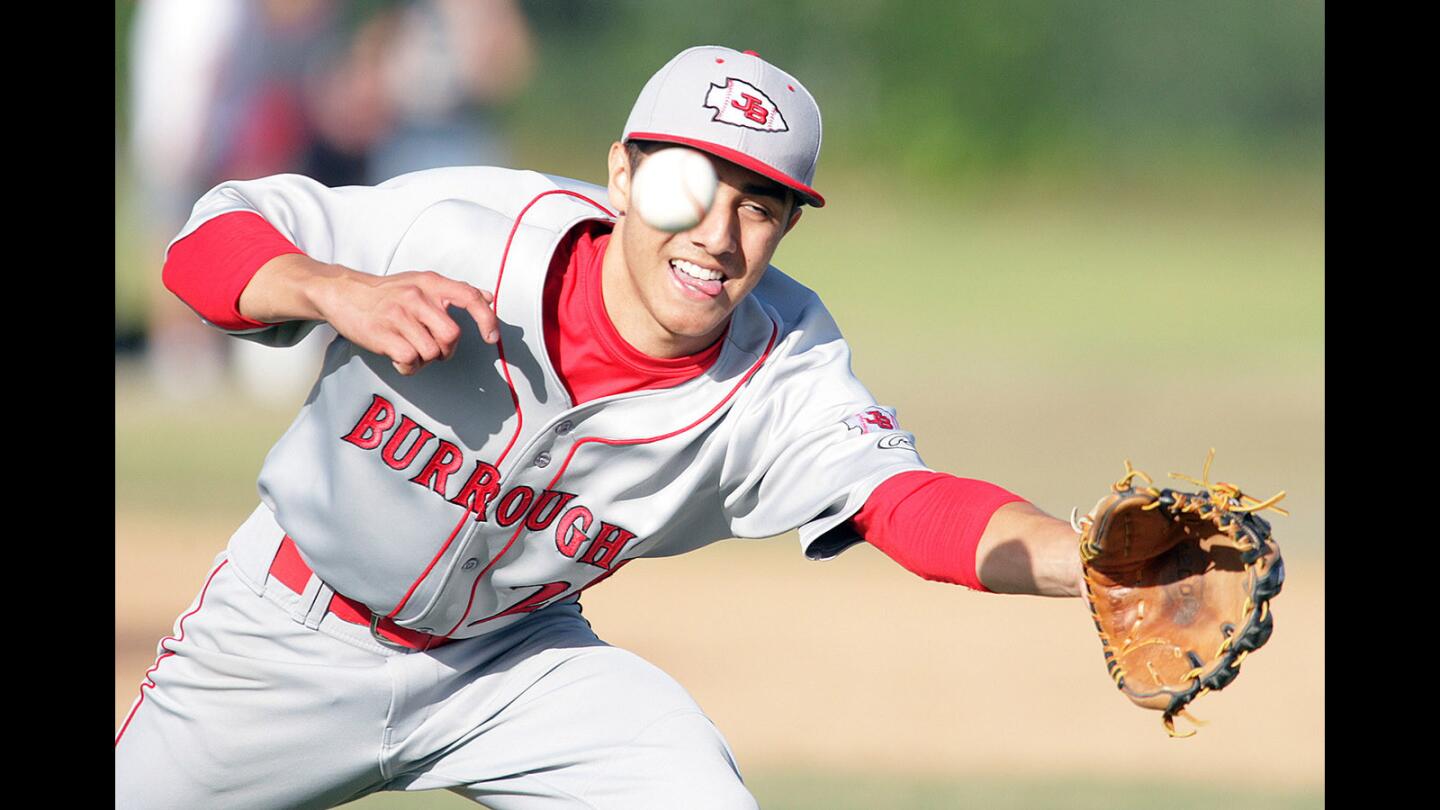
pixel 807 194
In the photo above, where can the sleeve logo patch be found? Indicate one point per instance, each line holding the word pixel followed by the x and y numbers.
pixel 871 420
pixel 742 104
pixel 895 441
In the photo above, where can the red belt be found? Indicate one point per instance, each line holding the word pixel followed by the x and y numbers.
pixel 293 573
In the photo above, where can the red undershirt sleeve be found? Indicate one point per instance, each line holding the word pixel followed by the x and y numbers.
pixel 209 268
pixel 930 523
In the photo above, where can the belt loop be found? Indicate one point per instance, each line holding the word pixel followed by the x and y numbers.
pixel 317 598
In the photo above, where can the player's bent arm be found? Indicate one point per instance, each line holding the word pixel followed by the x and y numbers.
pixel 1023 550
pixel 240 273
pixel 286 288
pixel 403 316
pixel 355 227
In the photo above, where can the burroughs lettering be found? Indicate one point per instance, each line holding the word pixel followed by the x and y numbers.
pixel 400 441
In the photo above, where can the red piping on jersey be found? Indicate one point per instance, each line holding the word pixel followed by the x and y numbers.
pixel 774 332
pixel 495 304
pixel 514 397
pixel 167 652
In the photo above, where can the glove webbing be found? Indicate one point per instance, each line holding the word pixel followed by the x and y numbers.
pixel 1227 506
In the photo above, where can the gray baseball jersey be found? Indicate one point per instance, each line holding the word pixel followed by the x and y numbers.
pixel 475 500
pixel 460 499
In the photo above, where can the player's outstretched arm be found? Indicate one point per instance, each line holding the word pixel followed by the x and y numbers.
pixel 403 316
pixel 1024 550
pixel 970 532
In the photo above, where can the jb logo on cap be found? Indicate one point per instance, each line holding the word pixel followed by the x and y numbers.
pixel 742 104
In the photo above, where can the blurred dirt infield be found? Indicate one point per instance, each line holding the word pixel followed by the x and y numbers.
pixel 854 664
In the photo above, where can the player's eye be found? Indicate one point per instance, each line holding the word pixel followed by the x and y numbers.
pixel 757 210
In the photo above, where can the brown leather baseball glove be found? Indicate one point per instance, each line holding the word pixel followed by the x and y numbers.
pixel 1179 584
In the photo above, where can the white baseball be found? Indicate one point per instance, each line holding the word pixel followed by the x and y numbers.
pixel 673 189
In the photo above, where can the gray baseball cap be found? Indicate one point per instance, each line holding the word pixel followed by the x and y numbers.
pixel 735 106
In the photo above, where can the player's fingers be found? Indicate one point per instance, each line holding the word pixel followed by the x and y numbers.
pixel 478 303
pixel 485 319
pixel 441 327
pixel 409 312
pixel 417 335
pixel 446 292
pixel 403 356
pixel 450 292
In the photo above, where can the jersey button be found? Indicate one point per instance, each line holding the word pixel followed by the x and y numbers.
pixel 542 460
pixel 564 427
pixel 470 564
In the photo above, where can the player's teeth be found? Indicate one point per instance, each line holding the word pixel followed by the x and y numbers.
pixel 696 271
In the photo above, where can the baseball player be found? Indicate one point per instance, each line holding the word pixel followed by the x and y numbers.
pixel 529 390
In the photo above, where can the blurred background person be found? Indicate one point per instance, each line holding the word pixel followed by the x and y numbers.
pixel 444 66
pixel 215 94
pixel 347 93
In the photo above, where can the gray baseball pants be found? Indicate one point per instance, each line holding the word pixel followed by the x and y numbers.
pixel 260 701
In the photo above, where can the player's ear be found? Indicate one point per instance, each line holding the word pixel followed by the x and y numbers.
pixel 619 178
pixel 794 218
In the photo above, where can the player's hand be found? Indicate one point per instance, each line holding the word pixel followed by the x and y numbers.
pixel 406 316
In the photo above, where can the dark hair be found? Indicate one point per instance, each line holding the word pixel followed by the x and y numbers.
pixel 636 150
